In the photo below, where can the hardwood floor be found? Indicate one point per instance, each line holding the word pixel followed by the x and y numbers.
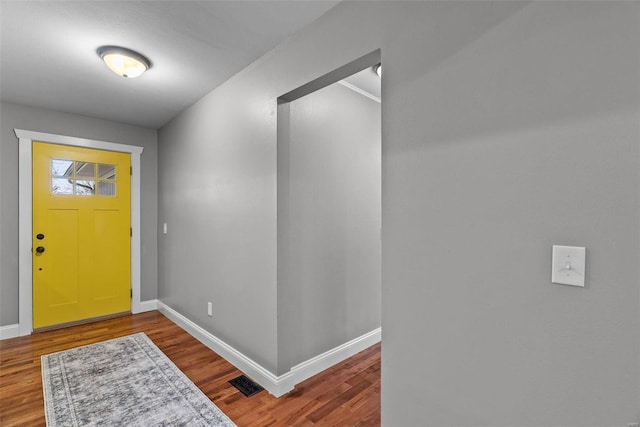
pixel 347 394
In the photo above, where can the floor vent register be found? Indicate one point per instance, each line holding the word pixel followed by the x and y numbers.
pixel 246 386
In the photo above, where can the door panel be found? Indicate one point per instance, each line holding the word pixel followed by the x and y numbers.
pixel 106 257
pixel 62 283
pixel 81 209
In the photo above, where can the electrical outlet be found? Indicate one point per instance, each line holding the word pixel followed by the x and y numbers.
pixel 210 309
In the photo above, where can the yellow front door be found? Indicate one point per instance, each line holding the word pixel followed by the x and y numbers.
pixel 81 241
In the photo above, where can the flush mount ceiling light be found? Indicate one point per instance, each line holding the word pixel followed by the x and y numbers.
pixel 124 62
pixel 378 70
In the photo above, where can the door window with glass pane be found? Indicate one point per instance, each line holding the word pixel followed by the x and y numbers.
pixel 69 177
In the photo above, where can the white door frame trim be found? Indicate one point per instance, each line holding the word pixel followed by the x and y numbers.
pixel 25 209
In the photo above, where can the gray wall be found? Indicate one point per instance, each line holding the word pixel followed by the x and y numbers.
pixel 507 127
pixel 333 275
pixel 217 195
pixel 501 139
pixel 42 120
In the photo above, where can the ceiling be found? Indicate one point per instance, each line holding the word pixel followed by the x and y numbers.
pixel 48 51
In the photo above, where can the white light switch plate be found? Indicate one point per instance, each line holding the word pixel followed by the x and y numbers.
pixel 568 265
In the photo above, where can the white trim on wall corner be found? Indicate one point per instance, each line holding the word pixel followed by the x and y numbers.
pixel 276 385
pixel 252 369
pixel 148 305
pixel 9 331
pixel 25 140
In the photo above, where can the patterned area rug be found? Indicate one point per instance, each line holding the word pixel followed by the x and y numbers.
pixel 126 381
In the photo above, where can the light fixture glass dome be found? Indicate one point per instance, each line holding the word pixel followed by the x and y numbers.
pixel 124 62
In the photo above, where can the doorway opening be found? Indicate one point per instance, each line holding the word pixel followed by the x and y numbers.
pixel 329 214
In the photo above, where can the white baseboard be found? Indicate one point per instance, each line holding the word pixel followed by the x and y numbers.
pixel 276 385
pixel 149 305
pixel 252 369
pixel 9 331
pixel 323 361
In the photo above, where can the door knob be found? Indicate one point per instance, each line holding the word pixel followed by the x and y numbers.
pixel 40 249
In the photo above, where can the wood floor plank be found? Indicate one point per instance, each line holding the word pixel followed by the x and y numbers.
pixel 347 394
